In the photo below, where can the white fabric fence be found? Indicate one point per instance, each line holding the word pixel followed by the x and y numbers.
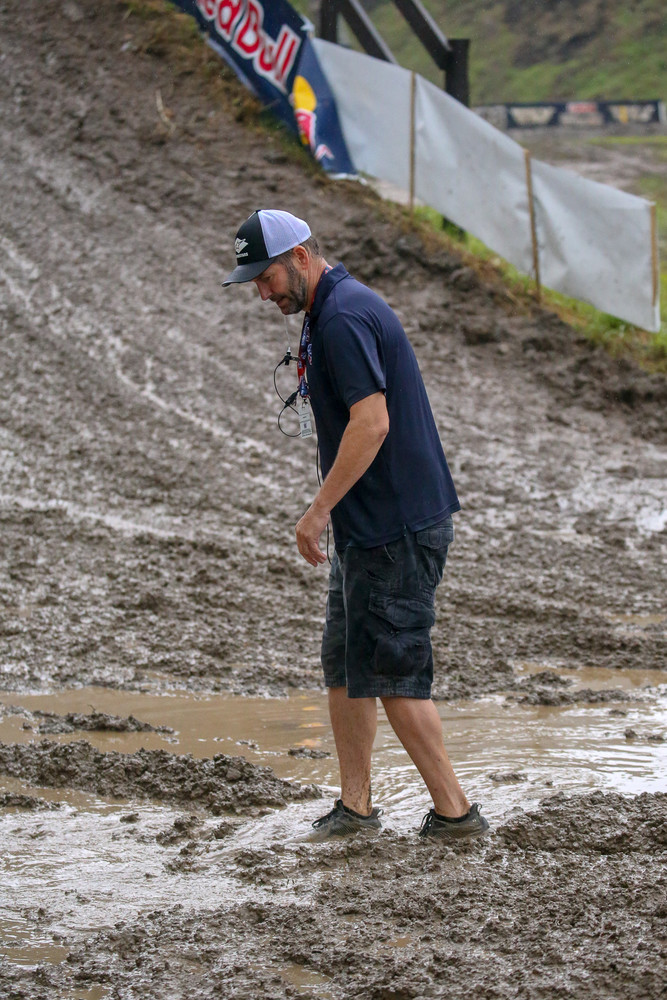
pixel 374 109
pixel 472 173
pixel 585 239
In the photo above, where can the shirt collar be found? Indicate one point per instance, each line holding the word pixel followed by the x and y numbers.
pixel 326 283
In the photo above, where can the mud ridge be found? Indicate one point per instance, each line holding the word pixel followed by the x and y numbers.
pixel 50 723
pixel 14 800
pixel 217 784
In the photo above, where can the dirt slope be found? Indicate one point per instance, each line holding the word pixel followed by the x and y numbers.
pixel 147 498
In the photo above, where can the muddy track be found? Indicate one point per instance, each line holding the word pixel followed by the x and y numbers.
pixel 552 906
pixel 147 498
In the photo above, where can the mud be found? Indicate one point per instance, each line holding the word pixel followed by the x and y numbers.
pixel 147 504
pixel 549 907
pixel 100 722
pixel 143 468
pixel 222 783
pixel 9 800
pixel 547 688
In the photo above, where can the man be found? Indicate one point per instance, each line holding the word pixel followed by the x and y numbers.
pixel 389 495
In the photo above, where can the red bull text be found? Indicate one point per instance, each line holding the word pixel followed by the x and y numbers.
pixel 240 24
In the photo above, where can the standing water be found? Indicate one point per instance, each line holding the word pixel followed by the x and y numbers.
pixel 94 861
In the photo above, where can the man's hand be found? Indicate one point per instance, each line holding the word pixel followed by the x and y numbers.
pixel 308 531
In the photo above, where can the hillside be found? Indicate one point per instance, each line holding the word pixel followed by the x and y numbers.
pixel 546 50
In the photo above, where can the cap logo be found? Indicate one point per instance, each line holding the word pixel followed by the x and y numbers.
pixel 240 245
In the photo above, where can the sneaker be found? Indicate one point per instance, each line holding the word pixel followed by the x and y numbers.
pixel 341 822
pixel 472 825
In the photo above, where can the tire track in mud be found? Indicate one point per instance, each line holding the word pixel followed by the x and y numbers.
pixel 184 383
pixel 78 327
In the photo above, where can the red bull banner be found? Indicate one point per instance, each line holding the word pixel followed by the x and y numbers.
pixel 261 41
pixel 317 116
pixel 266 44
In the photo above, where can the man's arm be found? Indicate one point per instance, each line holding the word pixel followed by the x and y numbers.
pixel 367 428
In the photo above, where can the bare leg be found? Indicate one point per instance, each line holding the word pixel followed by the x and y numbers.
pixel 354 723
pixel 417 724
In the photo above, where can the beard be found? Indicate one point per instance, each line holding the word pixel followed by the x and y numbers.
pixel 295 298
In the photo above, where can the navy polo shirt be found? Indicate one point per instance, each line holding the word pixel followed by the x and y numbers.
pixel 358 347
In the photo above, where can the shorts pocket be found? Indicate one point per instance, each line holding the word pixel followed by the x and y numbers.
pixel 403 646
pixel 379 565
pixel 432 546
pixel 439 536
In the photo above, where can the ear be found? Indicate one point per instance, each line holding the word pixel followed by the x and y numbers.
pixel 301 256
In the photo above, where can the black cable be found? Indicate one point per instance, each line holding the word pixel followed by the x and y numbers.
pixel 285 361
pixel 288 404
pixel 280 428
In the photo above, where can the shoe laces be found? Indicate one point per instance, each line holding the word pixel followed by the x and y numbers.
pixel 427 821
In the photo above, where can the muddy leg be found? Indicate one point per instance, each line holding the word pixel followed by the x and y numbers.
pixel 354 723
pixel 417 724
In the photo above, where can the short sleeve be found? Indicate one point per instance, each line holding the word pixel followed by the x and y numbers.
pixel 353 356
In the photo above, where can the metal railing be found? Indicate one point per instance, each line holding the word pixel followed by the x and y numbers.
pixel 449 54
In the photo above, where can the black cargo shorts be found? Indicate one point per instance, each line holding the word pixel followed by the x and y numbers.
pixel 380 611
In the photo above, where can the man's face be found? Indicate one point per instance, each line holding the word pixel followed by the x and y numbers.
pixel 284 284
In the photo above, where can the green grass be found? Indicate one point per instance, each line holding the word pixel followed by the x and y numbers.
pixel 632 140
pixel 625 58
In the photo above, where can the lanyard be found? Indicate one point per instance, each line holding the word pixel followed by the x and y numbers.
pixel 305 356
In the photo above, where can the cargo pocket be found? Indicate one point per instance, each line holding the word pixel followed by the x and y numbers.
pixel 439 536
pixel 403 643
pixel 433 544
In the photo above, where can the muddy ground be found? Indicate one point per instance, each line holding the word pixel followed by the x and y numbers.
pixel 148 499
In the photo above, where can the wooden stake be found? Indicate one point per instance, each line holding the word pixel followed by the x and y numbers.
pixel 533 224
pixel 413 100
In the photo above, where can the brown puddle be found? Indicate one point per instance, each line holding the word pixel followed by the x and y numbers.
pixel 578 746
pixel 597 678
pixel 87 867
pixel 307 982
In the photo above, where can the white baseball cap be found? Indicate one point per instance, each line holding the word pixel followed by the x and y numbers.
pixel 264 236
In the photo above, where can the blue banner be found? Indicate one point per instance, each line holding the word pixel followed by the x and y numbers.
pixel 267 46
pixel 316 115
pixel 260 41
